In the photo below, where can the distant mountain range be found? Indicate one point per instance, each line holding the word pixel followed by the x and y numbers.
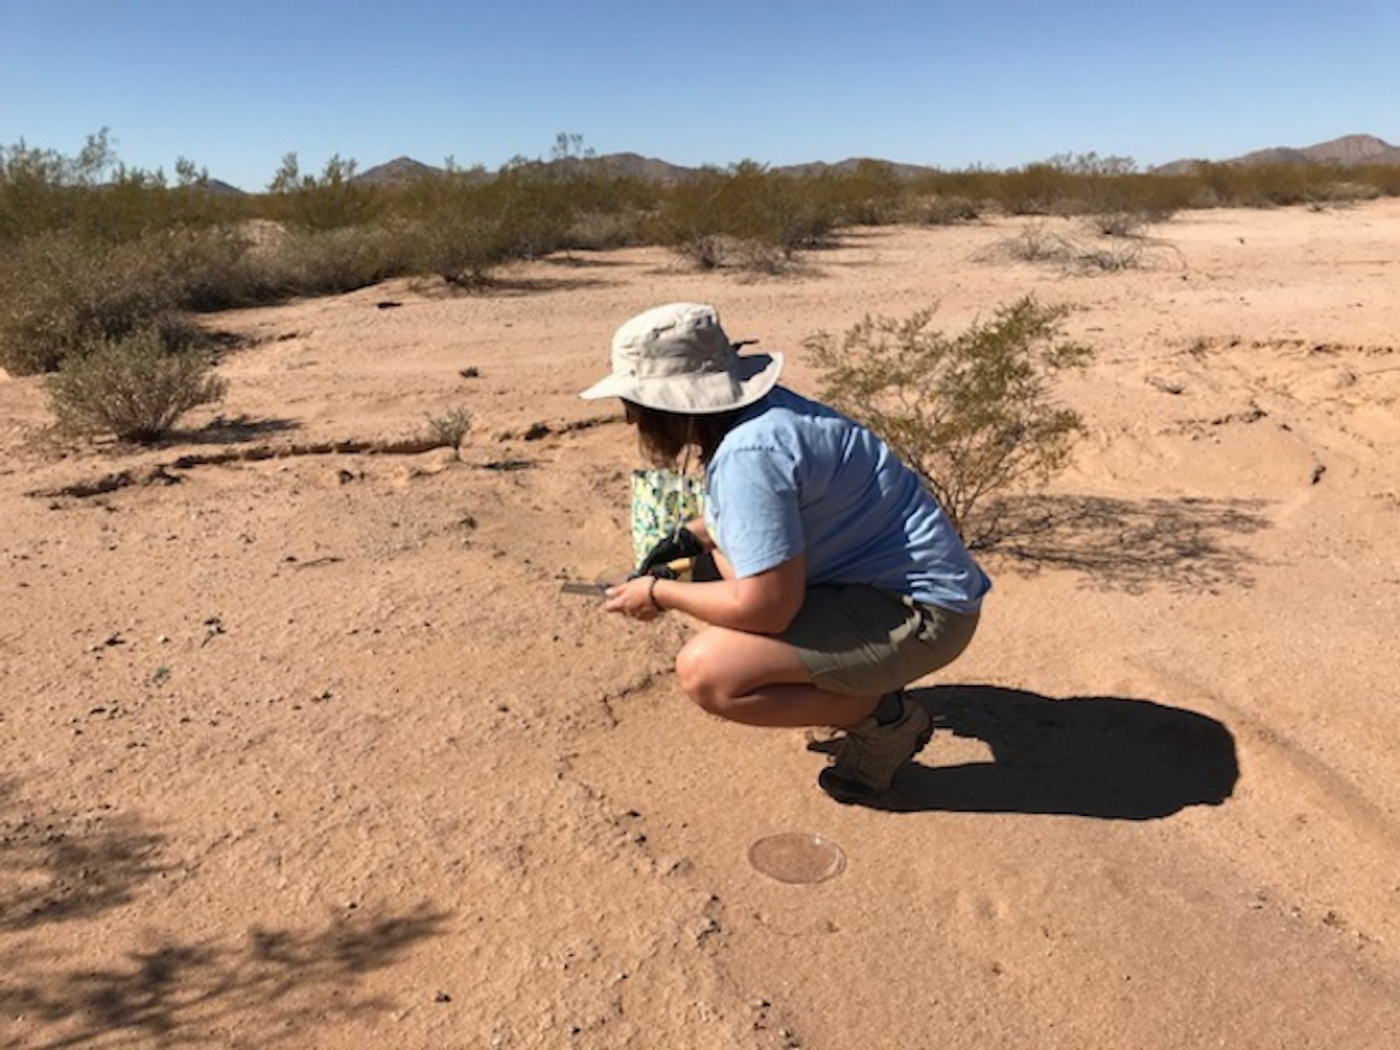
pixel 1346 151
pixel 628 165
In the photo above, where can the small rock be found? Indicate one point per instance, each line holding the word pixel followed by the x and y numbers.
pixel 1167 386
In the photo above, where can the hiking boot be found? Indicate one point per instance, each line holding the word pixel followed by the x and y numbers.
pixel 871 753
pixel 825 739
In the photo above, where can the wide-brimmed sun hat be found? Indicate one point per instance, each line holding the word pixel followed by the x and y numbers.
pixel 676 358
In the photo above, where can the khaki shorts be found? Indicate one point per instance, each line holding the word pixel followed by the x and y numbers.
pixel 867 641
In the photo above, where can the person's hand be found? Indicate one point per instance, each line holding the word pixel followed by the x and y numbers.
pixel 633 599
pixel 680 544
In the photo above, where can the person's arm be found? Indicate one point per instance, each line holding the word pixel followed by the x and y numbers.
pixel 687 541
pixel 765 603
pixel 696 527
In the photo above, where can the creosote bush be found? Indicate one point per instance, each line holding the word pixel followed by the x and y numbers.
pixel 746 217
pixel 973 413
pixel 132 387
pixel 1100 253
pixel 64 292
pixel 451 427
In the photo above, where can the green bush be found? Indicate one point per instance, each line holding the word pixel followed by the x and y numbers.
pixel 325 262
pixel 203 268
pixel 1384 178
pixel 94 195
pixel 65 292
pixel 330 201
pixel 450 428
pixel 871 194
pixel 748 208
pixel 132 387
pixel 462 226
pixel 944 210
pixel 1033 190
pixel 971 413
pixel 603 230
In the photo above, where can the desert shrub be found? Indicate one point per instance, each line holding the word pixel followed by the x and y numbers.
pixel 871 194
pixel 464 250
pixel 704 251
pixel 1117 222
pixel 1033 189
pixel 463 226
pixel 94 195
pixel 1385 178
pixel 1104 253
pixel 208 268
pixel 944 210
pixel 1108 193
pixel 746 205
pixel 524 214
pixel 68 291
pixel 1035 243
pixel 326 262
pixel 35 191
pixel 719 251
pixel 332 200
pixel 1121 253
pixel 132 387
pixel 973 184
pixel 1342 193
pixel 1265 185
pixel 601 230
pixel 759 257
pixel 972 413
pixel 447 228
pixel 65 292
pixel 599 206
pixel 450 427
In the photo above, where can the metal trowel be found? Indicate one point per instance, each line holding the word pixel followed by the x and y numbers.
pixel 599 588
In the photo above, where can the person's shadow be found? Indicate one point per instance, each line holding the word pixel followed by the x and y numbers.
pixel 1090 756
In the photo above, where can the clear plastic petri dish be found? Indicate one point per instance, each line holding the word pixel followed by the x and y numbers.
pixel 798 857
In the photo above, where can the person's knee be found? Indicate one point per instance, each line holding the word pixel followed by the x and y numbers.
pixel 696 674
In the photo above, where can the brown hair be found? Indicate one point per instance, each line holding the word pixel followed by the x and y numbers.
pixel 663 436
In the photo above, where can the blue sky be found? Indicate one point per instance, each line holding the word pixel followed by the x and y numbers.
pixel 234 85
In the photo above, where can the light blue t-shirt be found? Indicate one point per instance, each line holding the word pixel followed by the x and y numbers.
pixel 794 476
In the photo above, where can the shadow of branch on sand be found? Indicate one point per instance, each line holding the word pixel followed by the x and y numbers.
pixel 238 430
pixel 1183 544
pixel 1089 756
pixel 62 989
pixel 278 985
pixel 60 867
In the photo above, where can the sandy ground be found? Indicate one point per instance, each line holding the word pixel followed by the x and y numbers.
pixel 309 751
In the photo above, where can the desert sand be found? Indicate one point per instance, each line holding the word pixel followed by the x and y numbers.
pixel 308 750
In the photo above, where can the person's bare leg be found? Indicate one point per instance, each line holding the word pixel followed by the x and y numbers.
pixel 758 680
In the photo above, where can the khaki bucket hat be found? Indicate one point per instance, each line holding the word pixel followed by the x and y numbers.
pixel 676 358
